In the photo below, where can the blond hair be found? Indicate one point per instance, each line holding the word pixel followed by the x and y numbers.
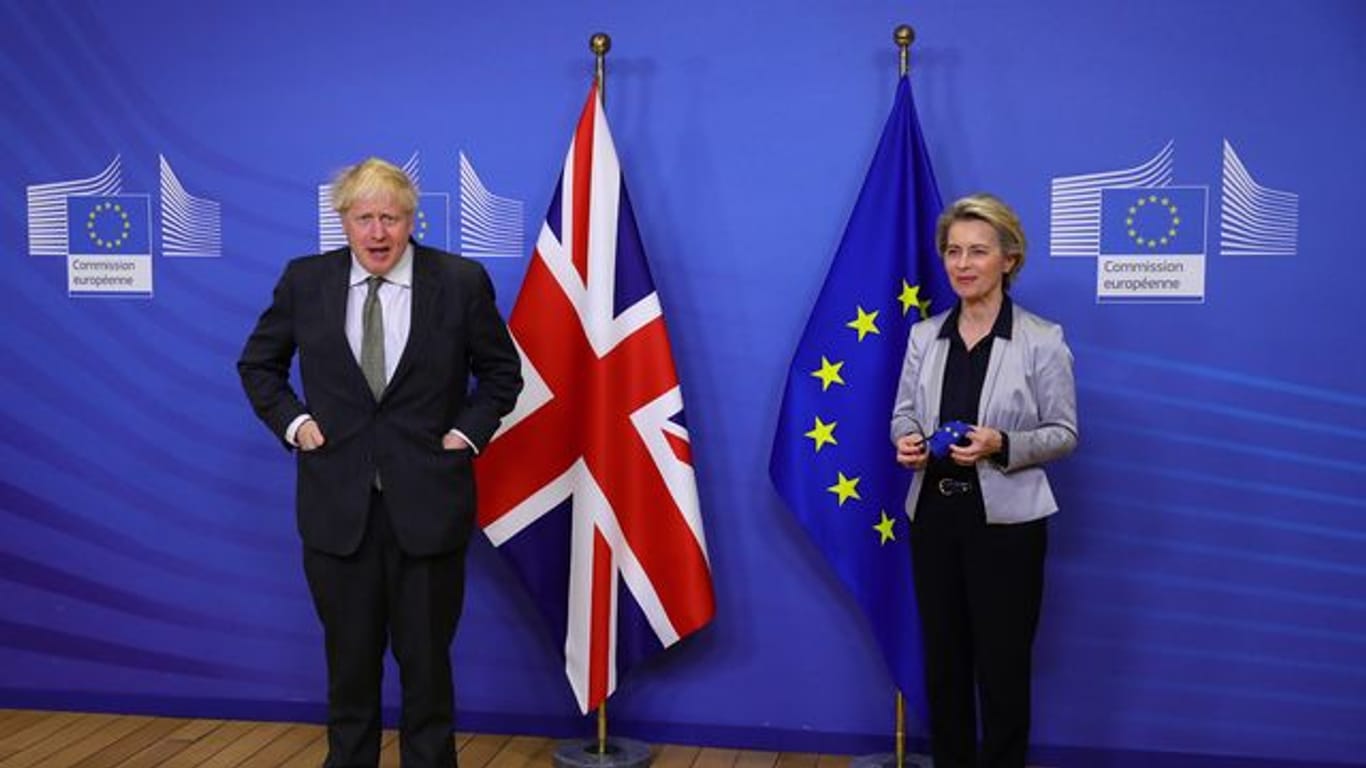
pixel 992 210
pixel 372 179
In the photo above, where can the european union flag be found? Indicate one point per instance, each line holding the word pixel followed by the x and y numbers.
pixel 1140 221
pixel 432 221
pixel 833 461
pixel 108 225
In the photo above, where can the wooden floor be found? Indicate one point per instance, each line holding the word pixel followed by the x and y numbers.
pixel 69 740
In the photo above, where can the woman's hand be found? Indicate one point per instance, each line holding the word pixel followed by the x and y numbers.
pixel 911 451
pixel 983 443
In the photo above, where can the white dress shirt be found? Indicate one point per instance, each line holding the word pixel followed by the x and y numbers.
pixel 396 301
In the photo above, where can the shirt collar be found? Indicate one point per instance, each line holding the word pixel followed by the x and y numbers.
pixel 1002 328
pixel 401 274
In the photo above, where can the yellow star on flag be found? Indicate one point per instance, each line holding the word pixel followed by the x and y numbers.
pixel 865 323
pixel 887 528
pixel 823 433
pixel 846 488
pixel 829 373
pixel 910 297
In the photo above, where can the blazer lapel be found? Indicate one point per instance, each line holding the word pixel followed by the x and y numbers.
pixel 999 349
pixel 427 292
pixel 939 357
pixel 336 291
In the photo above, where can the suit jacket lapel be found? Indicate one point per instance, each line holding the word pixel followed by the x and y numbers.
pixel 336 292
pixel 427 296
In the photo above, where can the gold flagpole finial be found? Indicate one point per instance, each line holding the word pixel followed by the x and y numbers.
pixel 600 43
pixel 904 35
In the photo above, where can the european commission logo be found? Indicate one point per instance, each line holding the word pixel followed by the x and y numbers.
pixel 105 233
pixel 115 224
pixel 1149 236
pixel 490 226
pixel 109 245
pixel 1149 220
pixel 1152 243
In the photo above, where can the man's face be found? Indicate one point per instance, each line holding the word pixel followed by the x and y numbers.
pixel 377 230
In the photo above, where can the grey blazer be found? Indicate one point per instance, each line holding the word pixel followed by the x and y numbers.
pixel 1028 393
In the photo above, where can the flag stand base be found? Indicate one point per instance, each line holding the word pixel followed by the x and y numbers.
pixel 583 753
pixel 888 760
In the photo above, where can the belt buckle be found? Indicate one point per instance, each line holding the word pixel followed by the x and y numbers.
pixel 950 487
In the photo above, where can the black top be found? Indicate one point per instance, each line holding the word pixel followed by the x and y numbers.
pixel 965 372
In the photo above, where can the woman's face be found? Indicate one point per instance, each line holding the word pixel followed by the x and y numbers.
pixel 974 260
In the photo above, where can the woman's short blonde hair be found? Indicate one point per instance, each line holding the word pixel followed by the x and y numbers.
pixel 371 179
pixel 993 211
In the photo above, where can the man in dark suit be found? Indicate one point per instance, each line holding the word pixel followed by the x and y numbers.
pixel 388 334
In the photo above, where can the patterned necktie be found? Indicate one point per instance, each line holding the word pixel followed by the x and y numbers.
pixel 372 337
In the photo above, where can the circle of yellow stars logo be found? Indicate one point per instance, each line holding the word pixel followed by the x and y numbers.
pixel 1148 208
pixel 420 224
pixel 94 225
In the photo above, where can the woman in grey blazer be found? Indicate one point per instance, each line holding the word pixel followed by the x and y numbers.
pixel 979 510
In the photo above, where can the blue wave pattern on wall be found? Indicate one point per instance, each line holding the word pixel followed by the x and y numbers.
pixel 147 532
pixel 1211 565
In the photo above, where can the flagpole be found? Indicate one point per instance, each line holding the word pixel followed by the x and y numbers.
pixel 602 728
pixel 903 36
pixel 600 43
pixel 900 727
pixel 601 752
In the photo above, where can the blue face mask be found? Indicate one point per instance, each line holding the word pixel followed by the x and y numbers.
pixel 952 433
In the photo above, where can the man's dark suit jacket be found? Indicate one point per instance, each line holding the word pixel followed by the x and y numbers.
pixel 455 333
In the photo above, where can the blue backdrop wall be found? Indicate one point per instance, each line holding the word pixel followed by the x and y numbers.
pixel 1207 579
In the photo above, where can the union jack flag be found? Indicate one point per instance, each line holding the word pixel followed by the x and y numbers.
pixel 588 487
